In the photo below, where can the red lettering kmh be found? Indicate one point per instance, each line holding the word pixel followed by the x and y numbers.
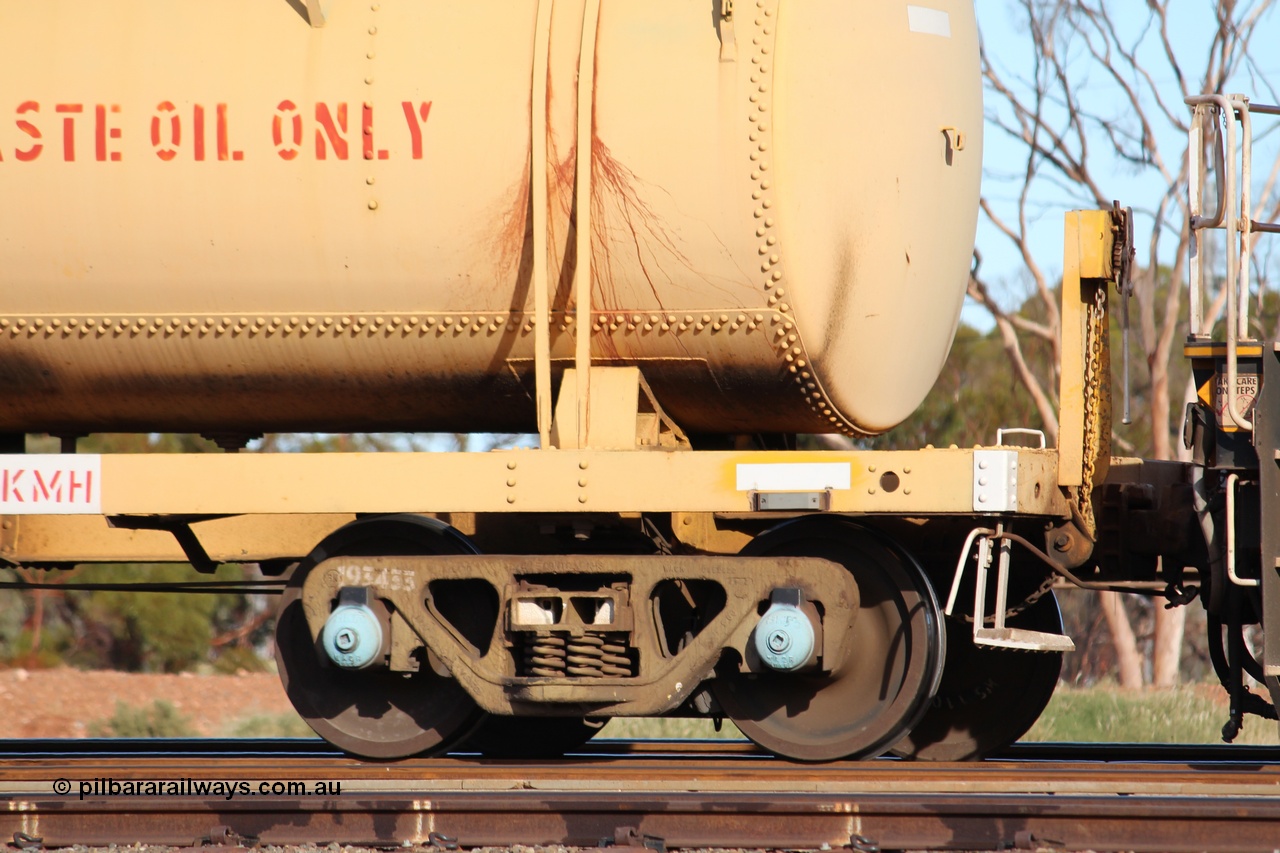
pixel 9 486
pixel 35 486
pixel 74 485
pixel 50 491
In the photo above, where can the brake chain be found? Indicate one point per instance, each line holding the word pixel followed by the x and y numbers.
pixel 1095 336
pixel 1038 593
pixel 1097 370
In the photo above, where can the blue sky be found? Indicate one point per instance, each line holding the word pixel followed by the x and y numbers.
pixel 1190 32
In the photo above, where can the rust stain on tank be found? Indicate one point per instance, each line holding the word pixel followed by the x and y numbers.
pixel 618 209
pixel 513 244
pixel 615 185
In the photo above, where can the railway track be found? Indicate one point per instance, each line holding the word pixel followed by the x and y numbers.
pixel 640 794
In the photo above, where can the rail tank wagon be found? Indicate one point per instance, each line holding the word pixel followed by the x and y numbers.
pixel 666 236
pixel 235 223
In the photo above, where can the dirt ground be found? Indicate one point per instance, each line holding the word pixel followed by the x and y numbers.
pixel 64 702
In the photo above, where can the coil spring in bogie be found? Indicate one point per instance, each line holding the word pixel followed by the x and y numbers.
pixel 587 656
pixel 592 656
pixel 545 657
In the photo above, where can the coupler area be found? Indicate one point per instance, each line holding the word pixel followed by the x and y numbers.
pixel 580 635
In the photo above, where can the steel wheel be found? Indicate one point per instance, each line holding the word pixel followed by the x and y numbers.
pixel 372 714
pixel 891 668
pixel 531 737
pixel 988 697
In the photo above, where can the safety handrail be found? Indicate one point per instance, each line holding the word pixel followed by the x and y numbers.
pixel 1232 215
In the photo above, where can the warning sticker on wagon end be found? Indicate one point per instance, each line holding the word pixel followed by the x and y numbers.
pixel 1246 395
pixel 50 484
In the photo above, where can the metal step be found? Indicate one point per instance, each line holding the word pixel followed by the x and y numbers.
pixel 1022 639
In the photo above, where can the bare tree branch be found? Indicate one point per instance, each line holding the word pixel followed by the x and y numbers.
pixel 979 291
pixel 1101 91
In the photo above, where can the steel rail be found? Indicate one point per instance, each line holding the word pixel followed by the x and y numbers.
pixel 661 774
pixel 286 748
pixel 783 819
pixel 729 799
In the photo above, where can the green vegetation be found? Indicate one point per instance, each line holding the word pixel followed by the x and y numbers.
pixel 128 631
pixel 157 720
pixel 1191 713
pixel 975 394
pixel 269 726
pixel 1186 714
pixel 161 719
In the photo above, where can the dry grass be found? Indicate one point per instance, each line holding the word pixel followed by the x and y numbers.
pixel 663 727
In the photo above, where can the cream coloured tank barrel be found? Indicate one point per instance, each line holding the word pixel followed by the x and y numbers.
pixel 270 215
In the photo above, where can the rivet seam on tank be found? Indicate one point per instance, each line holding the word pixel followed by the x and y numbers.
pixel 291 325
pixel 693 321
pixel 785 340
